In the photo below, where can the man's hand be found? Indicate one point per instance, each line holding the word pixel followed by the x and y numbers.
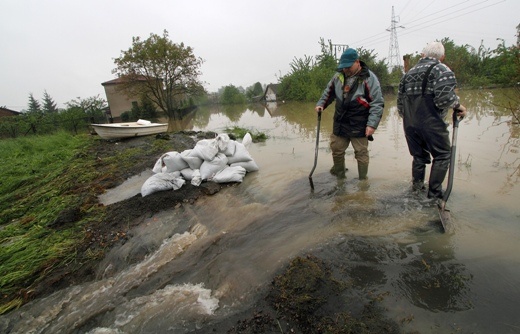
pixel 461 110
pixel 318 109
pixel 369 131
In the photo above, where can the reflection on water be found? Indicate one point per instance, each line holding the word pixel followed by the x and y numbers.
pixel 187 268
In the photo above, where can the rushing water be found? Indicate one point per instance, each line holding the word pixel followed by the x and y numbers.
pixel 467 281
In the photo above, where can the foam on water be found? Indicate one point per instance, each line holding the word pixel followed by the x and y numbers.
pixel 72 308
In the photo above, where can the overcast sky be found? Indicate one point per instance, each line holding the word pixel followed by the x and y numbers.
pixel 67 47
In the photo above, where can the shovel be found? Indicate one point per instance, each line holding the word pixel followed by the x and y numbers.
pixel 316 150
pixel 444 214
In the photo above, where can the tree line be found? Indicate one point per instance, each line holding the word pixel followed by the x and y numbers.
pixel 167 77
pixel 46 118
pixel 473 67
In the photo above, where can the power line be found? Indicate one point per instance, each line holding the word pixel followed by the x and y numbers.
pixel 426 7
pixel 421 25
pixel 452 12
pixel 440 11
pixel 375 39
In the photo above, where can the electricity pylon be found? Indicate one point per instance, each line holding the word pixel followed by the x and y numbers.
pixel 394 58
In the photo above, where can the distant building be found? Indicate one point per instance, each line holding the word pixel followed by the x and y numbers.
pixel 270 94
pixel 118 100
pixel 4 112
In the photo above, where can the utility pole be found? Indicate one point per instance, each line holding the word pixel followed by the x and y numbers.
pixel 336 49
pixel 394 58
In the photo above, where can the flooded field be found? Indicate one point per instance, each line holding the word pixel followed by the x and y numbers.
pixel 391 240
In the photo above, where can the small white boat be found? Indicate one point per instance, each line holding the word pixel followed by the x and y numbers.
pixel 129 129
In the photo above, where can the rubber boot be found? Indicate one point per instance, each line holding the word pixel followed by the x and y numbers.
pixel 418 172
pixel 437 175
pixel 362 171
pixel 338 169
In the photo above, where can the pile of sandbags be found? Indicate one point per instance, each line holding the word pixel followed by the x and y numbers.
pixel 219 160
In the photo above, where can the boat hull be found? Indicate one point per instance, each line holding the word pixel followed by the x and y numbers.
pixel 128 130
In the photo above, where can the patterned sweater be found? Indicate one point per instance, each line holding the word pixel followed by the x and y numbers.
pixel 441 84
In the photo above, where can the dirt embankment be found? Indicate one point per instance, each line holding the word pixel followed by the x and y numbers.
pixel 118 218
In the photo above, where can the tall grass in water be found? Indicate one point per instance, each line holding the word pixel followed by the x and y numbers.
pixel 35 179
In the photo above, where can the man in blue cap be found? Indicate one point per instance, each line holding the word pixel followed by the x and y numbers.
pixel 359 107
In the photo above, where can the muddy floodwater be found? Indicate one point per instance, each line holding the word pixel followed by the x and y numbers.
pixel 467 281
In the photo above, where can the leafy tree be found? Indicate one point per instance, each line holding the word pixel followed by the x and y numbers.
pixel 92 107
pixel 477 67
pixel 309 75
pixel 10 127
pixel 296 85
pixel 462 60
pixel 254 91
pixel 144 110
pixel 391 80
pixel 232 95
pixel 483 76
pixel 166 72
pixel 506 64
pixel 412 59
pixel 321 73
pixel 49 106
pixel 148 110
pixel 258 89
pixel 379 67
pixel 73 118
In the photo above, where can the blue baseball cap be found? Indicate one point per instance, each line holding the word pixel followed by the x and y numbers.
pixel 348 58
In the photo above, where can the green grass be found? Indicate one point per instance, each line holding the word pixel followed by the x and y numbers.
pixel 37 175
pixel 28 164
pixel 42 177
pixel 239 132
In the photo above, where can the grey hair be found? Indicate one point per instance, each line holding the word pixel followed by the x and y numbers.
pixel 433 50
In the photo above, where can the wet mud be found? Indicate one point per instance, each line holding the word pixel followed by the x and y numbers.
pixel 313 295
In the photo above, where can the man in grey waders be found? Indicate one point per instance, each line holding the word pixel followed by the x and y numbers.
pixel 359 107
pixel 426 93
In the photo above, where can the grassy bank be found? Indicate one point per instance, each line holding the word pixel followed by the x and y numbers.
pixel 48 202
pixel 38 175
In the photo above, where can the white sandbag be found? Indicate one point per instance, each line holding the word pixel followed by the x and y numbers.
pixel 241 154
pixel 187 174
pixel 158 167
pixel 250 166
pixel 192 161
pixel 174 162
pixel 196 180
pixel 247 140
pixel 210 168
pixel 222 141
pixel 170 162
pixel 143 122
pixel 161 182
pixel 230 148
pixel 178 182
pixel 206 149
pixel 230 174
